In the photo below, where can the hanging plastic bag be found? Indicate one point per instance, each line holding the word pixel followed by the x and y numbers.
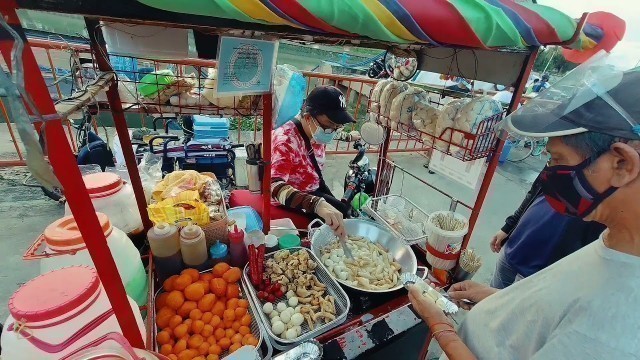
pixel 403 106
pixel 446 123
pixel 424 118
pixel 289 89
pixel 388 94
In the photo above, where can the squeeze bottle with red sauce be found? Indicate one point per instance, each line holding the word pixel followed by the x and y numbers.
pixel 237 249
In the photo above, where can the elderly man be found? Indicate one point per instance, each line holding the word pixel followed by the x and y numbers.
pixel 583 306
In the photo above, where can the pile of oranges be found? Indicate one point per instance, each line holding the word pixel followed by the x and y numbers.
pixel 200 316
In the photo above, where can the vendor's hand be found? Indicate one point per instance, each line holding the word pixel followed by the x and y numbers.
pixel 470 290
pixel 497 241
pixel 333 218
pixel 355 135
pixel 425 307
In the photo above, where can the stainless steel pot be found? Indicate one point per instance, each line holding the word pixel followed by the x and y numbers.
pixel 401 252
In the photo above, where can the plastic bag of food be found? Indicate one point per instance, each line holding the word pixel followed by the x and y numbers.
pixel 388 94
pixel 446 120
pixel 179 210
pixel 378 89
pixel 404 105
pixel 424 118
pixel 474 112
pixel 179 181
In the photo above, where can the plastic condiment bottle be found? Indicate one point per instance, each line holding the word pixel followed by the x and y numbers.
pixel 237 248
pixel 219 253
pixel 193 246
pixel 271 243
pixel 164 240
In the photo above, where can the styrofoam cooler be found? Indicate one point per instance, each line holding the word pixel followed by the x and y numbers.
pixel 62 237
pixel 59 312
pixel 112 196
pixel 443 247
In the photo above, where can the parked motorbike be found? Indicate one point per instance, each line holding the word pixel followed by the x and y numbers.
pixel 360 180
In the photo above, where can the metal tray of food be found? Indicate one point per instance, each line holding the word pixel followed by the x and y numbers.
pixel 256 329
pixel 402 216
pixel 341 302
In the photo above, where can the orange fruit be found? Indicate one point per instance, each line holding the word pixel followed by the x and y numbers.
pixel 186 308
pixel 197 326
pixel 233 291
pixel 168 284
pixel 195 274
pixel 232 275
pixel 166 349
pixel 245 320
pixel 234 347
pixel 218 308
pixel 229 333
pixel 243 303
pixel 181 282
pixel 240 312
pixel 186 355
pixel 211 340
pixel 195 314
pixel 232 303
pixel 219 334
pixel 227 324
pixel 218 287
pixel 188 322
pixel 206 302
pixel 180 346
pixel 161 301
pixel 180 331
pixel 207 330
pixel 215 349
pixel 172 357
pixel 175 321
pixel 194 292
pixel 175 299
pixel 198 358
pixel 224 343
pixel 245 339
pixel 236 325
pixel 164 316
pixel 215 321
pixel 206 276
pixel 237 338
pixel 212 357
pixel 223 299
pixel 203 349
pixel 206 285
pixel 206 317
pixel 195 341
pixel 229 315
pixel 219 269
pixel 163 337
pixel 169 331
pixel 244 330
pixel 252 340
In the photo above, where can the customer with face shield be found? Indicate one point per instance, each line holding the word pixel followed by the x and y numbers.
pixel 583 306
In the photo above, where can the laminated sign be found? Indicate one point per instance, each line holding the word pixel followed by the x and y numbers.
pixel 245 66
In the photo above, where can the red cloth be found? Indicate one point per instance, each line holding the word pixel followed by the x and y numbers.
pixel 289 159
pixel 245 198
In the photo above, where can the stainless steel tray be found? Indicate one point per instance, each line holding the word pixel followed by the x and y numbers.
pixel 408 224
pixel 256 329
pixel 342 303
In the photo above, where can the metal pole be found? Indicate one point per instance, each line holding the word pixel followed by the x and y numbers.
pixel 64 165
pixel 100 52
pixel 266 156
pixel 384 150
pixel 13 137
pixel 493 164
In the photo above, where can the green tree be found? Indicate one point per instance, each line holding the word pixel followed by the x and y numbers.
pixel 552 60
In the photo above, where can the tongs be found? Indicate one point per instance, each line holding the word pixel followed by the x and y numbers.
pixel 345 248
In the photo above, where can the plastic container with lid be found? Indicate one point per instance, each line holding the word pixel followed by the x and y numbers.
pixel 164 240
pixel 59 312
pixel 112 196
pixel 237 248
pixel 64 240
pixel 271 243
pixel 288 241
pixel 219 253
pixel 193 246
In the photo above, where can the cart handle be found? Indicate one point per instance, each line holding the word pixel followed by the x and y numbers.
pixel 167 137
pixel 166 125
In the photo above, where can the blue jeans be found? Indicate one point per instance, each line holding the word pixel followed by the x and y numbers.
pixel 505 274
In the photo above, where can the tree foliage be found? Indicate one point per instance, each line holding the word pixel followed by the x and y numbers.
pixel 557 64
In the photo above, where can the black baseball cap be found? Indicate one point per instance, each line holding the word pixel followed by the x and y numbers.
pixel 329 101
pixel 597 98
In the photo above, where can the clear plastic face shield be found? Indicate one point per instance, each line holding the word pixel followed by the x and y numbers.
pixel 589 98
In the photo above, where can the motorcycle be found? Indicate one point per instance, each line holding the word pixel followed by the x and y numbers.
pixel 360 180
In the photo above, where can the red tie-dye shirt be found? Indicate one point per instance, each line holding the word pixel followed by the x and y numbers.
pixel 289 159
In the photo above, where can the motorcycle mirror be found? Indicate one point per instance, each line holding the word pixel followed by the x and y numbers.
pixel 372 133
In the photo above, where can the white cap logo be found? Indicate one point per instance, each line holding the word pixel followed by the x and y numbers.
pixel 343 102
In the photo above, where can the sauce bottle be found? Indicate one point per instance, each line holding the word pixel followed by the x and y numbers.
pixel 193 246
pixel 219 253
pixel 237 248
pixel 164 240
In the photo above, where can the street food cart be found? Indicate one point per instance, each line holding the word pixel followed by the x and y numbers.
pixel 495 41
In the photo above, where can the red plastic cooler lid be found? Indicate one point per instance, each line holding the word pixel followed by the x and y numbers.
pixel 102 184
pixel 54 294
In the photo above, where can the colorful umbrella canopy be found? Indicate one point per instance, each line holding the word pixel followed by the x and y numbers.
pixel 469 23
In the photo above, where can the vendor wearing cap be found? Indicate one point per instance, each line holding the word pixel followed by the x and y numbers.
pixel 583 306
pixel 298 157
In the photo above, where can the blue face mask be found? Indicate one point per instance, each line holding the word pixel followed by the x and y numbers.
pixel 322 137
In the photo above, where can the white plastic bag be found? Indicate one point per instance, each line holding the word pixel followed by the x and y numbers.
pixel 474 112
pixel 388 94
pixel 378 89
pixel 446 121
pixel 424 118
pixel 404 105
